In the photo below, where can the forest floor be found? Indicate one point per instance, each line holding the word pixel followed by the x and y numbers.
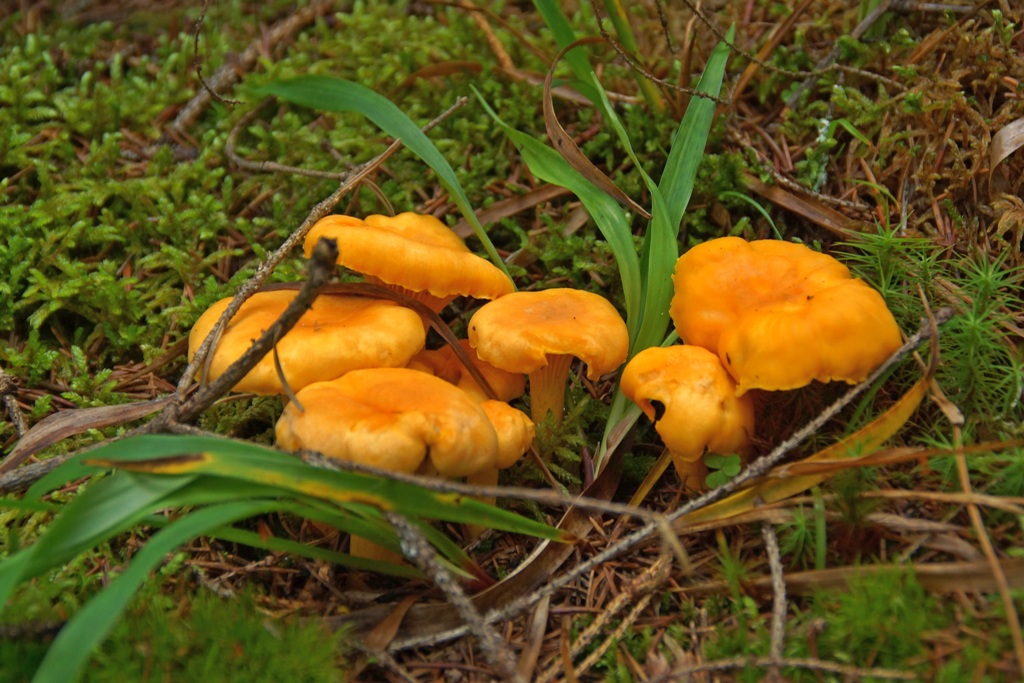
pixel 887 134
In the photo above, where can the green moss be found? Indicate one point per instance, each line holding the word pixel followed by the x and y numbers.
pixel 881 621
pixel 212 639
pixel 203 637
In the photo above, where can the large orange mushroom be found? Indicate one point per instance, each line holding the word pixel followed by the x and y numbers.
pixel 391 418
pixel 414 254
pixel 394 419
pixel 539 333
pixel 336 335
pixel 780 315
pixel 692 401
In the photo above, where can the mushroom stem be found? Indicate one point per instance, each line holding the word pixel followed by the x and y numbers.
pixel 547 388
pixel 487 477
pixel 368 550
pixel 691 470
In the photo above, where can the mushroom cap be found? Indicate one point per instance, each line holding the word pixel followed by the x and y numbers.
pixel 780 315
pixel 413 251
pixel 392 418
pixel 515 431
pixel 445 364
pixel 519 331
pixel 691 399
pixel 336 335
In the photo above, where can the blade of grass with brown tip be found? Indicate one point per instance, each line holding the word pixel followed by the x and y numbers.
pixel 863 442
pixel 247 462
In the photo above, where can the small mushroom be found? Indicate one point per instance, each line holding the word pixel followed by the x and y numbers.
pixel 393 419
pixel 515 436
pixel 444 363
pixel 780 315
pixel 539 333
pixel 692 401
pixel 414 254
pixel 336 335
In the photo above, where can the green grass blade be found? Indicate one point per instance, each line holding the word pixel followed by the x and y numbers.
pixel 659 250
pixel 327 93
pixel 658 256
pixel 558 24
pixel 619 17
pixel 278 544
pixel 175 454
pixel 608 215
pixel 86 630
pixel 692 135
pixel 107 507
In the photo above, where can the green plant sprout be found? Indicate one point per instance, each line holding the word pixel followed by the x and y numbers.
pixel 722 468
pixel 646 277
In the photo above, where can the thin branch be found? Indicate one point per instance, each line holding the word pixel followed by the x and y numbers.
pixel 227 75
pixel 9 390
pixel 323 265
pixel 418 549
pixel 321 209
pixel 778 629
pixel 857 672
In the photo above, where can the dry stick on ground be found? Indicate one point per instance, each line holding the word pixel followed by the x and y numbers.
pixel 9 389
pixel 854 672
pixel 638 594
pixel 1012 618
pixel 273 166
pixel 416 547
pixel 176 414
pixel 858 31
pixel 778 630
pixel 974 512
pixel 755 471
pixel 323 265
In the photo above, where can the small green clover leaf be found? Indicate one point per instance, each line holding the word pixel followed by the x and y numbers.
pixel 723 468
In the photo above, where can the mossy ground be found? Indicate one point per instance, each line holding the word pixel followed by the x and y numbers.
pixel 116 237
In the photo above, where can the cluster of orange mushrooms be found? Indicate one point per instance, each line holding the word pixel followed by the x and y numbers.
pixel 764 315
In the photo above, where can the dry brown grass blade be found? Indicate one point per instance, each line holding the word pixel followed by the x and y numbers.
pixel 774 40
pixel 888 456
pixel 446 68
pixel 770 489
pixel 816 212
pixel 1005 142
pixel 652 477
pixel 535 638
pixel 568 148
pixel 511 207
pixel 378 638
pixel 66 423
pixel 935 577
pixel 998 574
